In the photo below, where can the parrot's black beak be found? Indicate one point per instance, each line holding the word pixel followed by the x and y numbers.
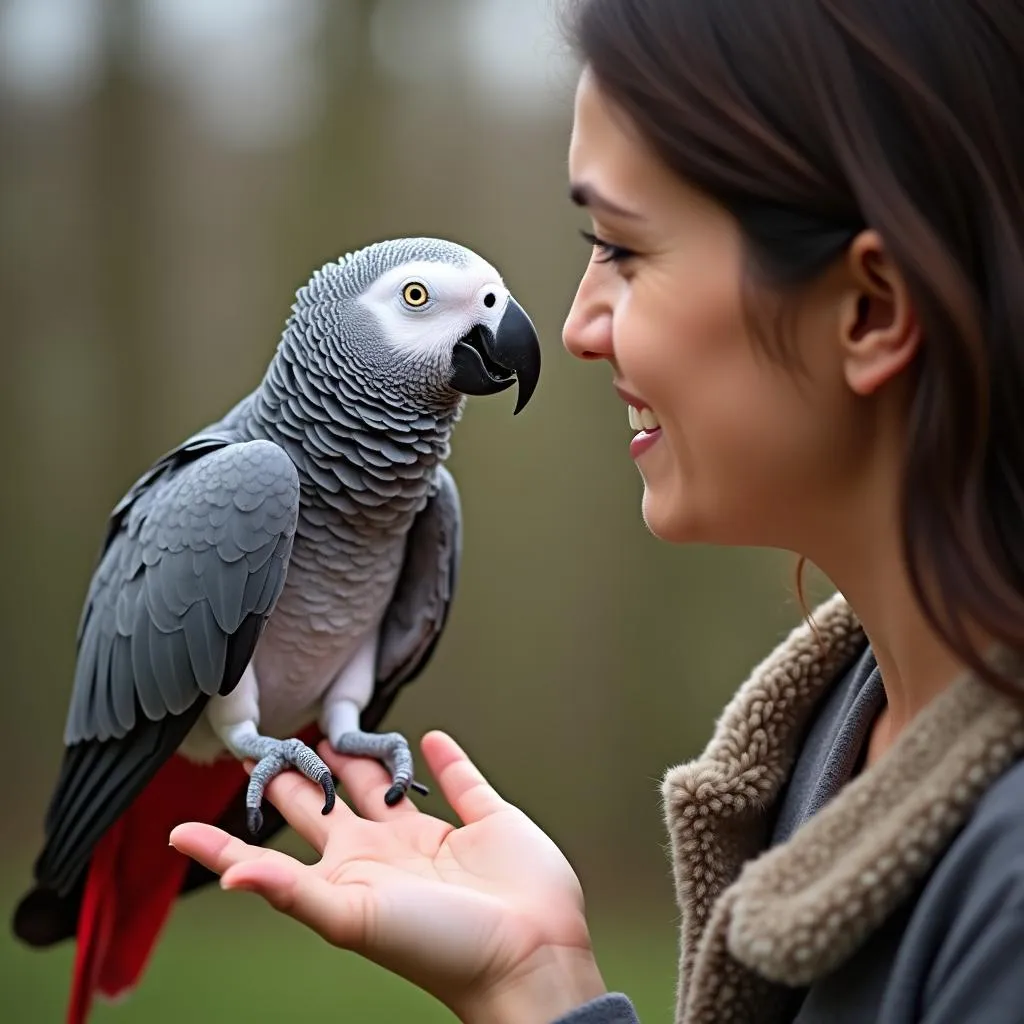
pixel 486 362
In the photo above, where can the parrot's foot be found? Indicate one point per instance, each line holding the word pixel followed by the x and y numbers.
pixel 273 757
pixel 392 750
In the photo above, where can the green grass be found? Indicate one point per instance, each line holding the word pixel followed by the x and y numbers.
pixel 227 957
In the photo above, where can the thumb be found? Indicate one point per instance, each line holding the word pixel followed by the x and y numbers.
pixel 463 785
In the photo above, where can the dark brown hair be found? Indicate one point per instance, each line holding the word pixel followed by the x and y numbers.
pixel 810 120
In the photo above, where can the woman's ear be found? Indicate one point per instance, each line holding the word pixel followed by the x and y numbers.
pixel 879 330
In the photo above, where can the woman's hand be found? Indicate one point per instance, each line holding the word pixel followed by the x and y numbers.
pixel 487 917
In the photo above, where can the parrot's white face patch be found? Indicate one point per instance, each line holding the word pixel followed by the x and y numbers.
pixel 425 307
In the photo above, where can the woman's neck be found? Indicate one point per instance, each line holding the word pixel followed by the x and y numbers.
pixel 915 664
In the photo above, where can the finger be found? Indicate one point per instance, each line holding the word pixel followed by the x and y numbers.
pixel 366 781
pixel 471 796
pixel 336 913
pixel 212 847
pixel 301 803
pixel 339 914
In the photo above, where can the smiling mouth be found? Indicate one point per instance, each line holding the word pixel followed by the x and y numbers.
pixel 643 420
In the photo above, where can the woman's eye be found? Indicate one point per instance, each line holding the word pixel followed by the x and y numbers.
pixel 610 253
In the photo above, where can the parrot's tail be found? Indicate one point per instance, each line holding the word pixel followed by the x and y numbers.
pixel 135 876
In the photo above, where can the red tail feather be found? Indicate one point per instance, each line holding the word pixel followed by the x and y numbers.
pixel 134 876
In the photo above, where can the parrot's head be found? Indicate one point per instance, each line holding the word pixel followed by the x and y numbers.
pixel 424 316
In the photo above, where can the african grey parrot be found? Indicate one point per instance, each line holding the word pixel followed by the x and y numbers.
pixel 276 577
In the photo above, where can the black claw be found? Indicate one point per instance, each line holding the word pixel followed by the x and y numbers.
pixel 419 788
pixel 327 785
pixel 254 819
pixel 394 794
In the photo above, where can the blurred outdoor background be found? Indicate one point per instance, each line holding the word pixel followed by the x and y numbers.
pixel 170 172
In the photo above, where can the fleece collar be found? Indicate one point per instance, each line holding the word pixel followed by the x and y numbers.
pixel 756 920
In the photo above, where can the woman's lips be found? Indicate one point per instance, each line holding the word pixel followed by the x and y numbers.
pixel 642 419
pixel 642 441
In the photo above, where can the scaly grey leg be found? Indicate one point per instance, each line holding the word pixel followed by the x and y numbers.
pixel 391 749
pixel 273 757
pixel 339 719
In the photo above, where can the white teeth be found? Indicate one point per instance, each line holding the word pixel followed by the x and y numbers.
pixel 648 419
pixel 642 419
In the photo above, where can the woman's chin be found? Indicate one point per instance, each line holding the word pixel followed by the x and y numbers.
pixel 667 517
pixel 671 515
pixel 671 518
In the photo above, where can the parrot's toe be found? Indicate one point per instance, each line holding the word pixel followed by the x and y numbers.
pixel 392 750
pixel 326 781
pixel 276 756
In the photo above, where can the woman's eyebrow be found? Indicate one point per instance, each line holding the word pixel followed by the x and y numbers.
pixel 584 194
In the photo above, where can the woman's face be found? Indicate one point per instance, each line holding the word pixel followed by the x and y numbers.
pixel 732 447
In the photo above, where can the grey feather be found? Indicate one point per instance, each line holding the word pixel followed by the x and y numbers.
pixel 418 612
pixel 173 585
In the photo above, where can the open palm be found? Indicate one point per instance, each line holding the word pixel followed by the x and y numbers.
pixel 456 911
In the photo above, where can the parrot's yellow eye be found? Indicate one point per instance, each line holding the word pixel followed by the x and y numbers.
pixel 415 294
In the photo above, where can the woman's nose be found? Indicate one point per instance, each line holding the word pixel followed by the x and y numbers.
pixel 587 331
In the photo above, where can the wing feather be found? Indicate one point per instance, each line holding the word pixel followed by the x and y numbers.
pixel 193 561
pixel 419 608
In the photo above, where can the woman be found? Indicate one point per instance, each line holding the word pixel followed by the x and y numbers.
pixel 808 277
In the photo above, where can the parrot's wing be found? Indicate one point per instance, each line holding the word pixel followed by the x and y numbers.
pixel 194 561
pixel 419 607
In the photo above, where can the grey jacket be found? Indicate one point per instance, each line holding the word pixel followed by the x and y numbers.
pixel 811 891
